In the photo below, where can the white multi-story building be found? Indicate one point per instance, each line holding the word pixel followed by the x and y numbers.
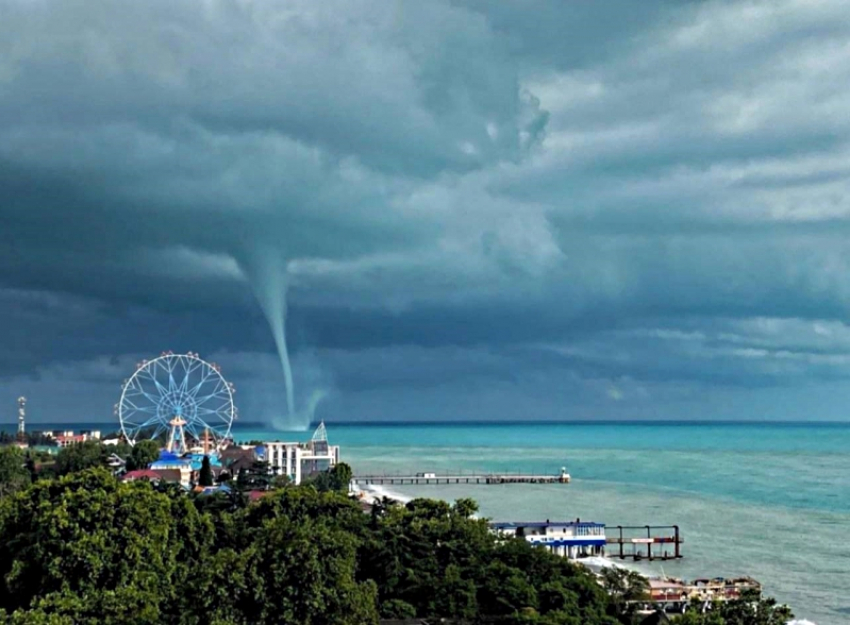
pixel 64 438
pixel 296 460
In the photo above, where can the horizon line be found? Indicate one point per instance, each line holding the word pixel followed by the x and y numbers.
pixel 477 422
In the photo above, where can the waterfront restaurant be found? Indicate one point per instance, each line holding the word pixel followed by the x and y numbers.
pixel 573 539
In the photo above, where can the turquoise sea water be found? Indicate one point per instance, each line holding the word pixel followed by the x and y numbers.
pixel 767 500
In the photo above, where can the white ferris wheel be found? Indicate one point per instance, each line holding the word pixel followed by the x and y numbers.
pixel 179 396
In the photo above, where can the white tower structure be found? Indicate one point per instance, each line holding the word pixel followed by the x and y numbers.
pixel 22 413
pixel 321 433
pixel 177 436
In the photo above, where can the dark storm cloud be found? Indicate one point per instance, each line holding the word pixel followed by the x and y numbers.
pixel 597 208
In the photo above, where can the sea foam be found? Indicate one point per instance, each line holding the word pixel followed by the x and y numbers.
pixel 377 492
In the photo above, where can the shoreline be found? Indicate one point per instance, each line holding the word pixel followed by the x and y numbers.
pixel 699 554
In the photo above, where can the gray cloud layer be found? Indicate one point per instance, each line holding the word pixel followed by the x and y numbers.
pixel 490 210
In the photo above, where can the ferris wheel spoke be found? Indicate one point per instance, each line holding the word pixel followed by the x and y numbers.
pixel 159 387
pixel 218 391
pixel 154 400
pixel 160 429
pixel 211 412
pixel 195 434
pixel 151 421
pixel 194 366
pixel 204 383
pixel 190 366
pixel 183 388
pixel 131 403
pixel 193 393
pixel 223 410
pixel 184 385
pixel 129 424
pixel 145 409
pixel 133 415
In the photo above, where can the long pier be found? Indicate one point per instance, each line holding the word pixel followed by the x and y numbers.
pixel 424 478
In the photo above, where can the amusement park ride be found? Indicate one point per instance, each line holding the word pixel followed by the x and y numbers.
pixel 181 397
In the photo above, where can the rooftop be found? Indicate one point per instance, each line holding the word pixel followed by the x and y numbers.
pixel 504 525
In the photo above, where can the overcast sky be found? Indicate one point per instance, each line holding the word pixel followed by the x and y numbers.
pixel 488 210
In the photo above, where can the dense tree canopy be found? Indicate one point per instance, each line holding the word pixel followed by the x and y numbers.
pixel 337 478
pixel 87 548
pixel 79 456
pixel 142 454
pixel 13 472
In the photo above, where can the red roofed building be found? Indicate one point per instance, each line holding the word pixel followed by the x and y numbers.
pixel 141 474
pixel 175 476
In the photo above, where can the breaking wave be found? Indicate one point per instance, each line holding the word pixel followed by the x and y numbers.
pixel 376 492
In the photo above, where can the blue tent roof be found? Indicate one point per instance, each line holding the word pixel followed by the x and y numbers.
pixel 199 458
pixel 170 464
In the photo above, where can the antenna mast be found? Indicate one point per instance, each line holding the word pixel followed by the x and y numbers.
pixel 22 413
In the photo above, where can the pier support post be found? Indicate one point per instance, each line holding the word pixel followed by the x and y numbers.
pixel 676 538
pixel 620 527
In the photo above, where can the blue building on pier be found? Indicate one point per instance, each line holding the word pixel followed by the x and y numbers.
pixel 573 539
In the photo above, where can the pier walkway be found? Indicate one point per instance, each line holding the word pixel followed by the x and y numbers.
pixel 637 542
pixel 418 479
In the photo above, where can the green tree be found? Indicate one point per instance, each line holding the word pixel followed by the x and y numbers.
pixel 465 507
pixel 206 476
pixel 257 477
pixel 305 571
pixel 625 588
pixel 90 535
pixel 341 475
pixel 14 475
pixel 280 481
pixel 397 609
pixel 337 478
pixel 142 455
pixel 80 456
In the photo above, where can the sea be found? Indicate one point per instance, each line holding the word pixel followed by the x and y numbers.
pixel 768 500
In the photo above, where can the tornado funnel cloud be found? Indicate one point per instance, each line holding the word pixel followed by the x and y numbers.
pixel 267 269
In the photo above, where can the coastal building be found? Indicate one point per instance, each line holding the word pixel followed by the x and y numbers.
pixel 142 474
pixel 64 438
pixel 236 458
pixel 173 476
pixel 174 468
pixel 68 438
pixel 573 539
pixel 672 595
pixel 297 460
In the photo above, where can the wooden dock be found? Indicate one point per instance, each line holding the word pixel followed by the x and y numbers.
pixel 644 542
pixel 420 479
